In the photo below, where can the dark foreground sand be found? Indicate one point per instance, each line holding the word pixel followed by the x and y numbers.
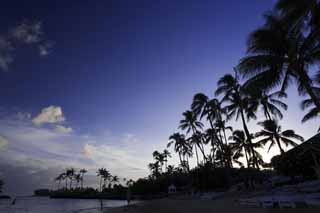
pixel 223 205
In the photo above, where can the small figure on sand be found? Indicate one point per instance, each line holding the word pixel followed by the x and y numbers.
pixel 129 196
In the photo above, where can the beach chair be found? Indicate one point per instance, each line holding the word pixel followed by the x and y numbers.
pixel 267 202
pixel 252 202
pixel 312 199
pixel 285 202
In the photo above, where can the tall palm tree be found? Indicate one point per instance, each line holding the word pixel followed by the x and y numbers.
pixel 77 178
pixel 237 101
pixel 70 175
pixel 240 144
pixel 272 133
pixel 158 157
pixel 191 124
pixel 166 154
pixel 59 178
pixel 82 172
pixel 211 136
pixel 279 54
pixel 101 174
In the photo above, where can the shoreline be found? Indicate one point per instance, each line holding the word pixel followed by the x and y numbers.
pixel 228 204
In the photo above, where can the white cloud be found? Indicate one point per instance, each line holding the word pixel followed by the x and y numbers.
pixel 51 114
pixel 3 143
pixel 63 129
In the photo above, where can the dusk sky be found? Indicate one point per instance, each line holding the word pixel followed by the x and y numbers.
pixel 112 84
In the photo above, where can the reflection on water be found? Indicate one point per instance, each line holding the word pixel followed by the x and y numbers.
pixel 47 205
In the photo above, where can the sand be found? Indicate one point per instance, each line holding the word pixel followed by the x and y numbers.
pixel 223 205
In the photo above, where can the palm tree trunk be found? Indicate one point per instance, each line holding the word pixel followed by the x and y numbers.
pixel 267 113
pixel 247 159
pixel 180 158
pixel 255 163
pixel 279 145
pixel 100 184
pixel 195 147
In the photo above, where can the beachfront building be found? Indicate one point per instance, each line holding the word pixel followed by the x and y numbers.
pixel 301 161
pixel 172 189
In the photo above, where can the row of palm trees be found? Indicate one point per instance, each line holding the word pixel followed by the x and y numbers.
pixel 71 175
pixel 284 51
pixel 105 178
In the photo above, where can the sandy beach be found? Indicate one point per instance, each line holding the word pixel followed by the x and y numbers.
pixel 224 205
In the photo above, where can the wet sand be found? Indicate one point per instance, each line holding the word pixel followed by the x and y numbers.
pixel 222 205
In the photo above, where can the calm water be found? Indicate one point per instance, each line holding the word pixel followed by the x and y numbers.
pixel 47 205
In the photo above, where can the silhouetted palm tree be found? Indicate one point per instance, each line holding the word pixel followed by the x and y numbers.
pixel 166 154
pixel 313 112
pixel 272 133
pixel 240 144
pixel 238 103
pixel 59 178
pixel 179 142
pixel 77 178
pixel 101 174
pixel 300 13
pixel 279 54
pixel 190 123
pixel 70 175
pixel 269 103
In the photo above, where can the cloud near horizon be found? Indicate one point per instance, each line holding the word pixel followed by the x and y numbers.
pixel 47 150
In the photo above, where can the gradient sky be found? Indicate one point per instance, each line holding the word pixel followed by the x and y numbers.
pixel 115 82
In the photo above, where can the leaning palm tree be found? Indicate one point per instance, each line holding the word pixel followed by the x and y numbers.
pixel 279 54
pixel 272 133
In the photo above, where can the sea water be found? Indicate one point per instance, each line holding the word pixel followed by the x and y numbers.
pixel 47 205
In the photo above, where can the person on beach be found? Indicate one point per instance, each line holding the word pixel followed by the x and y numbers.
pixel 128 196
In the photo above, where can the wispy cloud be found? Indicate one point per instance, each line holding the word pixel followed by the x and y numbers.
pixel 51 114
pixel 26 33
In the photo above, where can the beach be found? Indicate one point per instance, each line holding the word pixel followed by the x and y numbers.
pixel 223 205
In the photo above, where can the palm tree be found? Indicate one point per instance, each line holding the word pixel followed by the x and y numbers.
pixel 166 154
pixel 155 169
pixel 270 103
pixel 70 175
pixel 190 123
pixel 238 101
pixel 59 178
pixel 240 144
pixel 101 174
pixel 179 142
pixel 82 172
pixel 272 133
pixel 211 136
pixel 313 111
pixel 115 179
pixel 279 54
pixel 77 178
pixel 296 12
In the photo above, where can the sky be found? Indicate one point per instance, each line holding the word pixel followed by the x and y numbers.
pixel 104 83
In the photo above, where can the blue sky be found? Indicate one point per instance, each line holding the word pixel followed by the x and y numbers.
pixel 116 79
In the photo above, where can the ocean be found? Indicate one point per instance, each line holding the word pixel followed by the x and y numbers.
pixel 47 205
